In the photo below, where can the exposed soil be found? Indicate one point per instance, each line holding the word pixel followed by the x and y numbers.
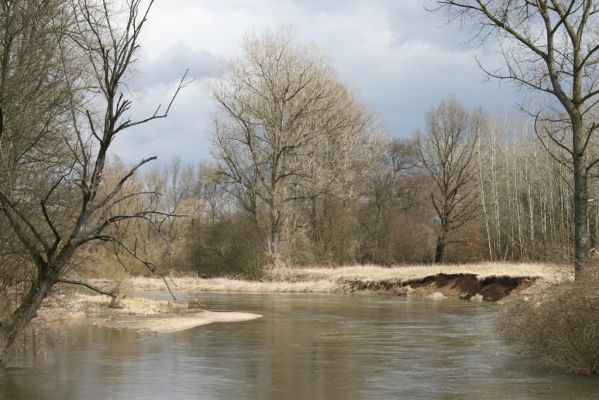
pixel 457 286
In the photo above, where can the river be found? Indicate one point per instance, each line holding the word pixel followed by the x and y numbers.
pixel 305 347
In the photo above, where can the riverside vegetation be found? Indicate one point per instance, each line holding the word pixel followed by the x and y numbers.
pixel 303 174
pixel 558 325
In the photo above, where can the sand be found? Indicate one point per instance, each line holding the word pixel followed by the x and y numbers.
pixel 135 313
pixel 174 322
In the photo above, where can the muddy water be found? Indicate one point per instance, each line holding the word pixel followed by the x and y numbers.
pixel 305 347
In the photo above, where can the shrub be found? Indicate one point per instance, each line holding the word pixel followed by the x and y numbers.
pixel 559 326
pixel 233 246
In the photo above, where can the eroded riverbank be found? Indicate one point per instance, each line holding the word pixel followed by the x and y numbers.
pixel 490 282
pixel 440 286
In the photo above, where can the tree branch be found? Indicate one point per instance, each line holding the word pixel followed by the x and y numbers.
pixel 87 285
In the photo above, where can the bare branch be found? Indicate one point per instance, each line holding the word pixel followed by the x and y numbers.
pixel 87 285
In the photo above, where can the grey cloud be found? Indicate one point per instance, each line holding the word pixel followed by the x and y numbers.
pixel 426 60
pixel 399 57
pixel 169 66
pixel 184 133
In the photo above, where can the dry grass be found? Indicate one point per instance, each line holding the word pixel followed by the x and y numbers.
pixel 372 272
pixel 558 325
pixel 191 284
pixel 72 304
pixel 330 280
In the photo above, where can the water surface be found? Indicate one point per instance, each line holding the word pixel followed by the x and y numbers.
pixel 305 347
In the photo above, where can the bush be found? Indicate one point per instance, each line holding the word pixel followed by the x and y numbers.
pixel 559 326
pixel 233 247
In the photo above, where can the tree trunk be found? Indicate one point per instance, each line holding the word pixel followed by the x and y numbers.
pixel 14 325
pixel 440 249
pixel 273 245
pixel 314 219
pixel 581 226
pixel 483 200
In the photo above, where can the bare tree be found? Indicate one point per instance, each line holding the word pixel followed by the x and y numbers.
pixel 389 187
pixel 285 126
pixel 53 231
pixel 211 192
pixel 550 47
pixel 447 149
pixel 32 34
pixel 175 182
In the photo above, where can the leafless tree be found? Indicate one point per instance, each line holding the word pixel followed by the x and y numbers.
pixel 447 149
pixel 32 34
pixel 175 182
pixel 55 229
pixel 550 47
pixel 284 128
pixel 211 192
pixel 389 187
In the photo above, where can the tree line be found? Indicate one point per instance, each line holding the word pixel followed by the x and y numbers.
pixel 469 187
pixel 303 174
pixel 301 164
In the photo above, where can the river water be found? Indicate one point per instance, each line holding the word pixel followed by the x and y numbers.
pixel 305 347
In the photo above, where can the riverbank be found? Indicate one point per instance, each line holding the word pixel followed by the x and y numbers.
pixel 481 282
pixel 488 281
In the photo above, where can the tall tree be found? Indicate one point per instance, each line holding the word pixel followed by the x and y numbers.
pixel 447 149
pixel 77 208
pixel 285 127
pixel 35 73
pixel 550 47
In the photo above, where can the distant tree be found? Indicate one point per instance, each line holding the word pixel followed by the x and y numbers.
pixel 552 48
pixel 447 149
pixel 75 208
pixel 389 187
pixel 176 183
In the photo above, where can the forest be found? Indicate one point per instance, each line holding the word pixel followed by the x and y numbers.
pixel 469 187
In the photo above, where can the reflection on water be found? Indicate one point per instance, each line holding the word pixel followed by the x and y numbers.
pixel 305 347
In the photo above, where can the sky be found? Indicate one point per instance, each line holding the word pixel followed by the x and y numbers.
pixel 398 57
